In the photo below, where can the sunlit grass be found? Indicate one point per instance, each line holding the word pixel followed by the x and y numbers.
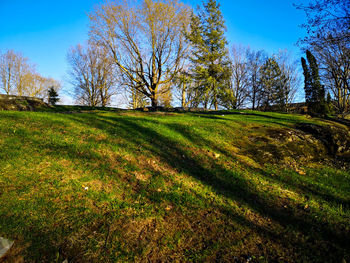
pixel 128 186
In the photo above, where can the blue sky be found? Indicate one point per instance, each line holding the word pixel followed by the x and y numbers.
pixel 44 30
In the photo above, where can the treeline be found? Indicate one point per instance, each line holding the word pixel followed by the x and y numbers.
pixel 19 77
pixel 161 52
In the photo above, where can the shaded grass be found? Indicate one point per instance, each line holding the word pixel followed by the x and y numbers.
pixel 134 186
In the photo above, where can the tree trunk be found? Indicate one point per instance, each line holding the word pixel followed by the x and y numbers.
pixel 253 101
pixel 215 100
pixel 183 102
pixel 154 99
pixel 134 102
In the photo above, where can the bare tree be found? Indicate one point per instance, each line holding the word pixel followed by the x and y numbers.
pixel 334 59
pixel 15 73
pixel 23 77
pixel 255 60
pixel 34 85
pixel 19 77
pixel 290 80
pixel 145 40
pixel 325 17
pixel 328 27
pixel 7 71
pixel 92 74
pixel 38 86
pixel 237 91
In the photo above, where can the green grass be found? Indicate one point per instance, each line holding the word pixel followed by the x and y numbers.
pixel 107 186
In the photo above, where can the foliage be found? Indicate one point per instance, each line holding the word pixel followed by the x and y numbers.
pixel 314 90
pixel 271 86
pixel 211 65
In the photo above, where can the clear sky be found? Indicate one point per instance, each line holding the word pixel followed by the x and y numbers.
pixel 44 30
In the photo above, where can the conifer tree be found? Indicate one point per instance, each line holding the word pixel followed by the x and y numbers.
pixel 307 84
pixel 329 105
pixel 271 84
pixel 211 65
pixel 53 96
pixel 314 90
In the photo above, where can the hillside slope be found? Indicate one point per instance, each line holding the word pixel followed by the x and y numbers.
pixel 130 186
pixel 18 103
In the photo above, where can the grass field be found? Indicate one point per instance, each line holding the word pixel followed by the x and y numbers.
pixel 130 186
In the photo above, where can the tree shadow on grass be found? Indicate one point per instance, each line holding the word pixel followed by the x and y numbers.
pixel 221 180
pixel 278 119
pixel 246 117
pixel 224 182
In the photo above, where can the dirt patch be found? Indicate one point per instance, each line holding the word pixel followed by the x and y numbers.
pixel 335 138
pixel 306 144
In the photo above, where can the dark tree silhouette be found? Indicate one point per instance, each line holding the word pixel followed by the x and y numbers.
pixel 53 96
pixel 314 90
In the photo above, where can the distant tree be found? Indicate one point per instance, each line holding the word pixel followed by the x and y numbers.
pixel 53 96
pixel 333 57
pixel 19 77
pixel 314 90
pixel 16 73
pixel 255 60
pixel 329 104
pixel 145 40
pixel 236 91
pixel 137 99
pixel 289 80
pixel 48 84
pixel 165 95
pixel 210 60
pixel 271 88
pixel 181 82
pixel 7 71
pixel 38 86
pixel 307 83
pixel 93 75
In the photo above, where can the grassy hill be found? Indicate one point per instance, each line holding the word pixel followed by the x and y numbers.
pixel 131 186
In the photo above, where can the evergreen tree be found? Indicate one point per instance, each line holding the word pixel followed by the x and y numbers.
pixel 307 84
pixel 329 104
pixel 53 96
pixel 271 84
pixel 211 65
pixel 314 90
